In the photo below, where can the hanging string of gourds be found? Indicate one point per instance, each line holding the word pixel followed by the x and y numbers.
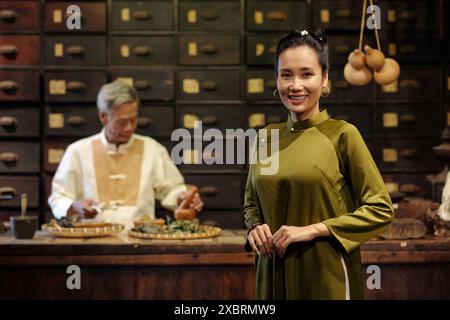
pixel 360 67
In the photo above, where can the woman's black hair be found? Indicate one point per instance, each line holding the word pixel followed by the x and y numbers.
pixel 314 38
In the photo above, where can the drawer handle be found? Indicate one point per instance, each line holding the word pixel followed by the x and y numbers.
pixel 144 122
pixel 210 15
pixel 342 85
pixel 8 192
pixel 142 85
pixel 407 14
pixel 75 51
pixel 9 50
pixel 9 157
pixel 408 153
pixel 76 121
pixel 271 85
pixel 277 16
pixel 8 85
pixel 8 15
pixel 408 118
pixel 343 117
pixel 209 120
pixel 209 191
pixel 76 86
pixel 273 119
pixel 409 83
pixel 342 49
pixel 343 13
pixel 141 15
pixel 209 85
pixel 408 49
pixel 409 188
pixel 208 49
pixel 8 121
pixel 142 51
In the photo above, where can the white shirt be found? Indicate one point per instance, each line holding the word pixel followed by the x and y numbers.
pixel 75 179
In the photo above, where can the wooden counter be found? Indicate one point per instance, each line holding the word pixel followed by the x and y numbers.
pixel 217 268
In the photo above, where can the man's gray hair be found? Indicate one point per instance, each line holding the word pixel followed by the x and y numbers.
pixel 113 94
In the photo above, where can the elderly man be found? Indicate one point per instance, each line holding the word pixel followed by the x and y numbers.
pixel 116 174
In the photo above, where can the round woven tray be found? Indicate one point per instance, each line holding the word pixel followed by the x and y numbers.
pixel 78 232
pixel 207 232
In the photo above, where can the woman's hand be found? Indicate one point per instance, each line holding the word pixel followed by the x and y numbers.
pixel 260 239
pixel 290 234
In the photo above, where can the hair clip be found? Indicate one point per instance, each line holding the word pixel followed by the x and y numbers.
pixel 304 33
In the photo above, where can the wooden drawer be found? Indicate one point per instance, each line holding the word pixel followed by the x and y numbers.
pixel 54 151
pixel 343 92
pixel 93 17
pixel 337 15
pixel 410 120
pixel 19 157
pixel 411 17
pixel 218 191
pixel 142 50
pixel 19 15
pixel 403 155
pixel 412 49
pixel 155 121
pixel 413 185
pixel 208 85
pixel 414 84
pixel 446 120
pixel 260 116
pixel 72 121
pixel 21 50
pixel 276 15
pixel 75 50
pixel 209 15
pixel 217 117
pixel 225 219
pixel 151 84
pixel 361 116
pixel 203 156
pixel 340 46
pixel 260 85
pixel 18 121
pixel 446 87
pixel 15 186
pixel 67 86
pixel 19 85
pixel 141 16
pixel 261 49
pixel 209 50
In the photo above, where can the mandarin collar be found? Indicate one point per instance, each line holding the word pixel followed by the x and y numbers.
pixel 113 148
pixel 307 123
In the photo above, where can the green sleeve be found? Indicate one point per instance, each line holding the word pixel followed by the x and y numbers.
pixel 375 210
pixel 251 214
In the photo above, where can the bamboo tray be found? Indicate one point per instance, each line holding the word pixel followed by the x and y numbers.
pixel 207 232
pixel 80 232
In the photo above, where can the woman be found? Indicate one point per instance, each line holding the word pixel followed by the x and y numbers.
pixel 307 221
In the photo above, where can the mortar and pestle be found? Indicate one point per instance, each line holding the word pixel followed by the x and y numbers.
pixel 184 212
pixel 23 226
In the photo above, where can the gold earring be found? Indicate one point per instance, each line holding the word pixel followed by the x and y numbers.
pixel 275 93
pixel 323 94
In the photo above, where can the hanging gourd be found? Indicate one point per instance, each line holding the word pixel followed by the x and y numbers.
pixel 360 67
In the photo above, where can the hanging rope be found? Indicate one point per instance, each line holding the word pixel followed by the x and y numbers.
pixel 363 19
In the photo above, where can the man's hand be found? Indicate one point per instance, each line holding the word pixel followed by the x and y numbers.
pixel 84 208
pixel 197 203
pixel 260 239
